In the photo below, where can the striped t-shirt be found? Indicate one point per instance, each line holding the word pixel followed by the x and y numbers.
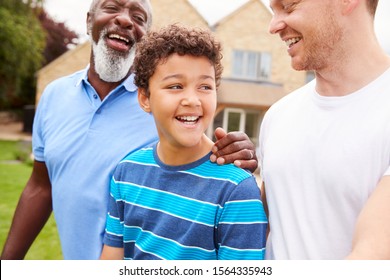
pixel 199 210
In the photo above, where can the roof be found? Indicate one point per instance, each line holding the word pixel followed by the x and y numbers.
pixel 213 11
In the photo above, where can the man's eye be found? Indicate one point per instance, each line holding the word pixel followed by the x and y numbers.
pixel 111 8
pixel 139 18
pixel 289 7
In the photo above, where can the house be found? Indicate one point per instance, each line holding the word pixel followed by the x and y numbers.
pixel 69 62
pixel 257 69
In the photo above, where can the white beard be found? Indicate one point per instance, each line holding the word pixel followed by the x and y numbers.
pixel 110 65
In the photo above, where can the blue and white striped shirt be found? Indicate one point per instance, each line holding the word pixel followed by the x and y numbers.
pixel 195 211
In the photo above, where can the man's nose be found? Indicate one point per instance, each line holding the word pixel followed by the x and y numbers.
pixel 124 19
pixel 277 23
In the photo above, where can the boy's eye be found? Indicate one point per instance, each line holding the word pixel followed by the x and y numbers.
pixel 206 87
pixel 175 87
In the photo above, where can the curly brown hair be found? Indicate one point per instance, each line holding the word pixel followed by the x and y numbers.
pixel 156 46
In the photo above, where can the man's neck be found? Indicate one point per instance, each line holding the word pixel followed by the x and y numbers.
pixel 102 88
pixel 346 77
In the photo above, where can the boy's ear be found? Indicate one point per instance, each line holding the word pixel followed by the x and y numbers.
pixel 143 100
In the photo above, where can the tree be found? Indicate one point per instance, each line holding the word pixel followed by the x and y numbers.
pixel 58 37
pixel 22 43
pixel 29 39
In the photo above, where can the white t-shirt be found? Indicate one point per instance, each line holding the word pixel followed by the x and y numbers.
pixel 321 158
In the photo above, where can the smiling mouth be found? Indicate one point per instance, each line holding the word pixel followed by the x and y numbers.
pixel 188 119
pixel 292 41
pixel 119 38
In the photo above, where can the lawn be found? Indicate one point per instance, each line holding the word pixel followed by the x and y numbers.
pixel 13 177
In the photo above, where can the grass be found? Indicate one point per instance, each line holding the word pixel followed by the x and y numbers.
pixel 8 150
pixel 15 169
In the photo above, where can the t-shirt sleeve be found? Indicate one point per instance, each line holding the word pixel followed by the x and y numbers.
pixel 113 235
pixel 38 143
pixel 242 224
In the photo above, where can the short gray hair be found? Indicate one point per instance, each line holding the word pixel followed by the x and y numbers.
pixel 95 3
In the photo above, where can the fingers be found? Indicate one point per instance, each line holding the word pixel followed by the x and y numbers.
pixel 252 154
pixel 234 147
pixel 247 164
pixel 219 133
pixel 231 142
pixel 244 158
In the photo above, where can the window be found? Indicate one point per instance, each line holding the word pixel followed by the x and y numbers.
pixel 251 65
pixel 238 119
pixel 248 121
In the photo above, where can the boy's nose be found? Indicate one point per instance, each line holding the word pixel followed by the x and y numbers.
pixel 190 99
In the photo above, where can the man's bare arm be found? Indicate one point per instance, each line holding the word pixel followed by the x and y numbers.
pixel 372 233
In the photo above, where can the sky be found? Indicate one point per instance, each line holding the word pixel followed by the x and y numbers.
pixel 74 12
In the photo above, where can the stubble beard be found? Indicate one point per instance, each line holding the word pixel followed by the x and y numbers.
pixel 324 47
pixel 111 66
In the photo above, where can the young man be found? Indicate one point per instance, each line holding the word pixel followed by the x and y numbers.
pixel 85 124
pixel 168 200
pixel 325 148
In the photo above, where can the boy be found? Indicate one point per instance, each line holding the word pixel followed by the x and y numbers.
pixel 169 201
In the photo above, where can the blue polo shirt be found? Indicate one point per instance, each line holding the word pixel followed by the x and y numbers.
pixel 81 139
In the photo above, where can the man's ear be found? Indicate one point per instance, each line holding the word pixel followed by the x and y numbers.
pixel 350 5
pixel 143 100
pixel 88 22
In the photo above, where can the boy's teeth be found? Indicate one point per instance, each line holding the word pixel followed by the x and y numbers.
pixel 191 119
pixel 188 118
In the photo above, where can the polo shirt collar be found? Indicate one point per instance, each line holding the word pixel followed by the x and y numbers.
pixel 83 76
pixel 128 83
